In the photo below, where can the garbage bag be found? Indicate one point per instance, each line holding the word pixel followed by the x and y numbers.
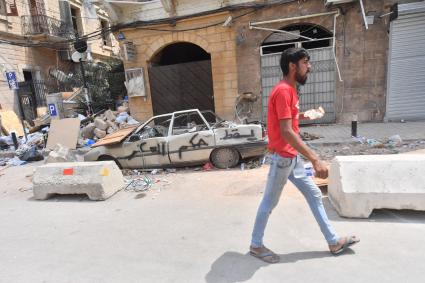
pixel 32 155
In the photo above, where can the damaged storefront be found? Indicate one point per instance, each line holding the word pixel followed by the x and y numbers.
pixel 239 43
pixel 183 69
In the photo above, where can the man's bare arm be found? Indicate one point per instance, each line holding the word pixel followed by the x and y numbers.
pixel 296 142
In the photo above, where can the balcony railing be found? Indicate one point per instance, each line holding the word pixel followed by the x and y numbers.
pixel 42 24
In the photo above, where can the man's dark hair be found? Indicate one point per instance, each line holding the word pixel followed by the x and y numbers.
pixel 292 55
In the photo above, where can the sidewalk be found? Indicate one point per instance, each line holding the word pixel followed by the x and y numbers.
pixel 341 133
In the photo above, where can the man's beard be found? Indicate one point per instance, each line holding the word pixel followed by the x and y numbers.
pixel 301 79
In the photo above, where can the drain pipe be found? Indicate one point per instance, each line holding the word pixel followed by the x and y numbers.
pixel 363 14
pixel 333 49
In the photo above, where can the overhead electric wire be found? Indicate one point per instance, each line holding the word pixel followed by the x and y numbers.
pixel 144 24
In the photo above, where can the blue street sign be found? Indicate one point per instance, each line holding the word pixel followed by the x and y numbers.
pixel 11 79
pixel 121 36
pixel 52 110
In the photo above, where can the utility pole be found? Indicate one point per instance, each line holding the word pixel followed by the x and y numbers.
pixel 81 46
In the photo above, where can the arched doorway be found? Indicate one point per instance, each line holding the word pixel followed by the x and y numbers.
pixel 320 87
pixel 180 78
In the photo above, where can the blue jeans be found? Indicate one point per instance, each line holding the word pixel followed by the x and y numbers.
pixel 282 169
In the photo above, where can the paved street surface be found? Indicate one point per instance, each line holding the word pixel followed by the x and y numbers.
pixel 338 133
pixel 196 229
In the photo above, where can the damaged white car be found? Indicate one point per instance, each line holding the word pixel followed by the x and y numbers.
pixel 182 138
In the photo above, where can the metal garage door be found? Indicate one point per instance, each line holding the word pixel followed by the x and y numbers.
pixel 181 87
pixel 406 61
pixel 319 89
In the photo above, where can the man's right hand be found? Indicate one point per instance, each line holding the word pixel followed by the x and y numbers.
pixel 320 169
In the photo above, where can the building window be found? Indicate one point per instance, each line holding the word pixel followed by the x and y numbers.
pixel 3 9
pixel 13 10
pixel 77 23
pixel 106 35
pixel 135 82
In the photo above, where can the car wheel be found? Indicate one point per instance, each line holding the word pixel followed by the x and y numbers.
pixel 109 158
pixel 225 157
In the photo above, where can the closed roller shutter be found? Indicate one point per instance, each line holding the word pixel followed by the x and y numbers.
pixel 406 64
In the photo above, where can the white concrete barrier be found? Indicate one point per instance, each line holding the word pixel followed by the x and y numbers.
pixel 99 180
pixel 359 184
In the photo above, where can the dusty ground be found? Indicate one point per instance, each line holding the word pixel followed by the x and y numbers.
pixel 193 226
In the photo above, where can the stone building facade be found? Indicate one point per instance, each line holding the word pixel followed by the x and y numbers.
pixel 358 89
pixel 35 21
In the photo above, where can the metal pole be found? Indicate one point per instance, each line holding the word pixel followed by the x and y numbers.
pixel 293 18
pixel 85 88
pixel 281 31
pixel 363 14
pixel 21 109
pixel 334 50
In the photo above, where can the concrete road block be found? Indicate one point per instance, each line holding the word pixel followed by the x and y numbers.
pixel 359 184
pixel 99 180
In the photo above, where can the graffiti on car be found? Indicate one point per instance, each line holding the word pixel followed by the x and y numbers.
pixel 234 134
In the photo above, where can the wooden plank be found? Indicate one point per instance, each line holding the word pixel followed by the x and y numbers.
pixel 11 122
pixel 116 137
pixel 64 132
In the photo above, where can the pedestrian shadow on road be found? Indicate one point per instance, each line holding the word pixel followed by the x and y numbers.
pixel 378 215
pixel 236 267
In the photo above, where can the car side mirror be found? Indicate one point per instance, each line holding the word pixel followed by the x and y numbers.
pixel 134 138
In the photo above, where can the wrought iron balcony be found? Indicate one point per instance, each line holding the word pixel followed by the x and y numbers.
pixel 42 24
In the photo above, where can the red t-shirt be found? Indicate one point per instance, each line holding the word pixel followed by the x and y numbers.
pixel 283 104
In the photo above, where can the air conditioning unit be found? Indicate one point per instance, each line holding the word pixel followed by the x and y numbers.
pixel 336 2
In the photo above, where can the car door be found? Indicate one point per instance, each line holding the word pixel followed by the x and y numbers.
pixel 191 139
pixel 149 144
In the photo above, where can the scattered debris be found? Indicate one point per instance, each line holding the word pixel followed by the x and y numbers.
pixel 395 140
pixel 138 183
pixel 15 161
pixel 88 131
pixel 61 154
pixel 65 132
pixel 309 137
pixel 314 113
pixel 254 163
pixel 171 170
pixel 156 171
pixel 10 123
pixel 208 166
pixel 99 133
pixel 374 143
pixel 29 153
pixel 6 142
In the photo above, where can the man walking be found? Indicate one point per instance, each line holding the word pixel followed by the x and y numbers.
pixel 284 144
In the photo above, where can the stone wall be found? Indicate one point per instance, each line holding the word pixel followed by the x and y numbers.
pixel 216 40
pixel 235 53
pixel 361 54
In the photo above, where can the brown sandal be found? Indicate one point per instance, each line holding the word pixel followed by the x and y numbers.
pixel 266 256
pixel 349 241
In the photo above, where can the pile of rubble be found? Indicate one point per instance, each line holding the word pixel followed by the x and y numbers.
pixel 35 146
pixel 108 123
